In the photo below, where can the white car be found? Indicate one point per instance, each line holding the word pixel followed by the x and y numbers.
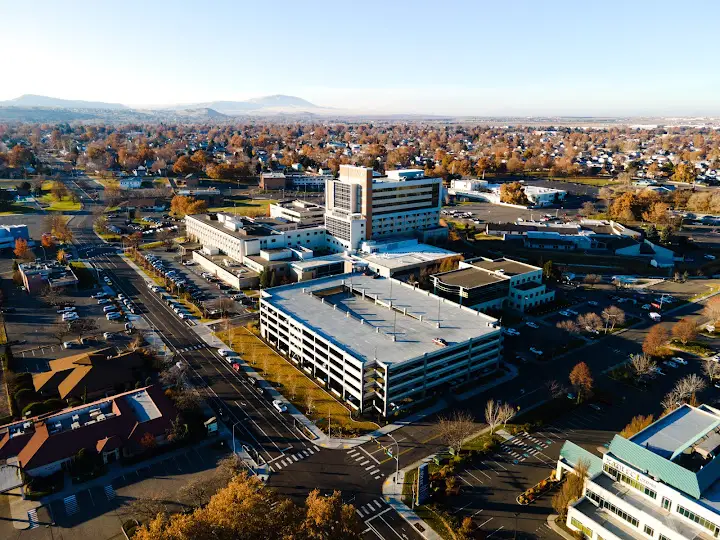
pixel 592 303
pixel 571 311
pixel 709 257
pixel 536 351
pixel 70 317
pixel 532 324
pixel 225 352
pixel 679 360
pixel 511 332
pixel 565 313
pixel 279 405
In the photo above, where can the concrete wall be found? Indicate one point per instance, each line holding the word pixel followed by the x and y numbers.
pixel 223 274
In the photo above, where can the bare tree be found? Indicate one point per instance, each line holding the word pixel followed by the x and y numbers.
pixel 555 389
pixel 569 326
pixel 642 364
pixel 613 315
pixel 590 321
pixel 456 428
pixel 145 508
pixel 711 369
pixel 492 414
pixel 309 403
pixel 690 384
pixel 712 309
pixel 507 412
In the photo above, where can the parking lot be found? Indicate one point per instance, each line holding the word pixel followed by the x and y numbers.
pixel 97 512
pixel 150 224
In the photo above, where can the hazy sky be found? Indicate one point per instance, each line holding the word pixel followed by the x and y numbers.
pixel 481 57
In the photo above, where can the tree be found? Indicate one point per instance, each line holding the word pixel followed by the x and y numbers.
pixel 636 425
pixel 327 517
pixel 555 389
pixel 581 380
pixel 572 488
pixel 513 193
pixel 309 403
pixel 613 315
pixel 591 322
pixel 82 327
pixel 588 209
pixel 456 428
pixel 712 309
pixel 134 239
pixel 569 326
pixel 47 241
pixel 684 172
pixel 711 369
pixel 655 340
pixel 145 508
pixel 61 256
pixel 550 271
pixel 592 280
pixel 492 414
pixel 21 251
pixel 642 365
pixel 684 330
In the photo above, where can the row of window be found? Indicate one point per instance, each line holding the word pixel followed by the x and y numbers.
pixel 692 516
pixel 602 503
pixel 620 477
pixel 587 531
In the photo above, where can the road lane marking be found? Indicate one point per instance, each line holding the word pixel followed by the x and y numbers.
pixel 368 455
pixel 365 462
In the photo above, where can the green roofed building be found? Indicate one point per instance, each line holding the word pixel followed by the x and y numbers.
pixel 662 483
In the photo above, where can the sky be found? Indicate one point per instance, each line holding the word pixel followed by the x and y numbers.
pixel 449 57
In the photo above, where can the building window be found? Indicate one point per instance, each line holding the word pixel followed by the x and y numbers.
pixel 587 531
pixel 620 477
pixel 662 537
pixel 648 530
pixel 666 503
pixel 692 516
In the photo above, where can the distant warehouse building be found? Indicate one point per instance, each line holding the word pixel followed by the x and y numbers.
pixel 377 343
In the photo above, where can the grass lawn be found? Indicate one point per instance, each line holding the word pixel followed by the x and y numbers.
pixel 485 237
pixel 290 380
pixel 710 290
pixel 66 205
pixel 18 209
pixel 597 182
pixel 693 347
pixel 245 207
pixel 151 245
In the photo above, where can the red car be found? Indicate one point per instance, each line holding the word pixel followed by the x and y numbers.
pixel 236 366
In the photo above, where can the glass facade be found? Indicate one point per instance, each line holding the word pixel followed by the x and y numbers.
pixel 709 525
pixel 620 477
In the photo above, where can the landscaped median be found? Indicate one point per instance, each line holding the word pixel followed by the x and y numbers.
pixel 298 388
pixel 538 490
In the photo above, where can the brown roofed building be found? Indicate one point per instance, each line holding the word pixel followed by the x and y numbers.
pixel 111 426
pixel 90 375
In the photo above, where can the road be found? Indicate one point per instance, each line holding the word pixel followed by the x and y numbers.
pixel 298 465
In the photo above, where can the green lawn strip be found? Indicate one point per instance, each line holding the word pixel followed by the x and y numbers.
pixel 245 207
pixel 286 377
pixel 65 205
pixel 693 347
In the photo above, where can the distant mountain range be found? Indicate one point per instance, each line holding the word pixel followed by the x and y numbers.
pixel 35 108
pixel 32 100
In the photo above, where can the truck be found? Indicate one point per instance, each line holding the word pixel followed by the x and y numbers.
pixel 655 316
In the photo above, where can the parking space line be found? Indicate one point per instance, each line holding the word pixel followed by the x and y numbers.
pixel 498 529
pixel 485 522
pixel 471 474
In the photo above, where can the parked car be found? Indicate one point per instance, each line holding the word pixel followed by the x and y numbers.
pixel 538 352
pixel 279 405
pixel 679 360
pixel 709 257
pixel 645 306
pixel 532 324
pixel 592 303
pixel 511 332
pixel 70 344
pixel 565 313
pixel 440 341
pixel 108 335
pixel 225 352
pixel 70 317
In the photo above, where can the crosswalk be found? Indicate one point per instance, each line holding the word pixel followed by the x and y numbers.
pixel 371 508
pixel 366 462
pixel 33 518
pixel 192 348
pixel 71 505
pixel 109 492
pixel 288 459
pixel 523 446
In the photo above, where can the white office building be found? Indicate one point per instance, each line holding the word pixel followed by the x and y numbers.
pixel 373 341
pixel 661 483
pixel 361 206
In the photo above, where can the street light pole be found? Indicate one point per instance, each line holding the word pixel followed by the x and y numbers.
pixel 397 458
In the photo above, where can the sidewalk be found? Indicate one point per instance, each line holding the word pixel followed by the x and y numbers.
pixel 205 333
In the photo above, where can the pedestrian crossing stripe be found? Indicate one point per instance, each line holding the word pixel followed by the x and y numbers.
pixel 71 505
pixel 109 492
pixel 33 518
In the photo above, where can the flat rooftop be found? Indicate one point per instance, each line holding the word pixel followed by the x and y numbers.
pixel 364 326
pixel 411 255
pixel 510 268
pixel 469 278
pixel 315 262
pixel 248 230
pixel 676 430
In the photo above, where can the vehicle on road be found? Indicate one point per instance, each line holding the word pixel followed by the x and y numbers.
pixel 571 311
pixel 511 332
pixel 593 303
pixel 532 324
pixel 536 351
pixel 655 316
pixel 709 257
pixel 279 405
pixel 645 306
pixel 596 406
pixel 565 313
pixel 679 360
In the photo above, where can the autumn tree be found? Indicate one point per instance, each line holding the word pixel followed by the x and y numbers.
pixel 655 340
pixel 572 488
pixel 47 241
pixel 22 250
pixel 712 309
pixel 684 330
pixel 569 326
pixel 592 279
pixel 684 172
pixel 513 193
pixel 636 425
pixel 582 381
pixel 61 256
